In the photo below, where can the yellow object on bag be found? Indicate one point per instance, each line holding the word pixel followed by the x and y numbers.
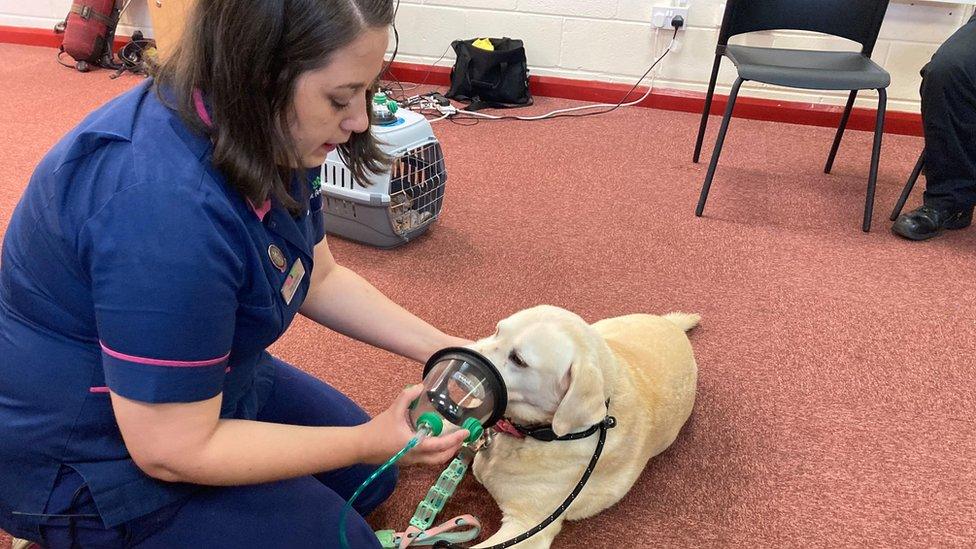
pixel 484 43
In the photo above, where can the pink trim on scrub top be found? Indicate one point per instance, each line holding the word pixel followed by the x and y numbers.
pixel 201 108
pixel 157 362
pixel 207 121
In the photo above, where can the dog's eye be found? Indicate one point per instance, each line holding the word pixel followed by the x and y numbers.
pixel 517 360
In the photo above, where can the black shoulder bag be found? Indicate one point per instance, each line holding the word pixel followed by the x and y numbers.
pixel 496 79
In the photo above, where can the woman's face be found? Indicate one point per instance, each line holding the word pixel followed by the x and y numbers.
pixel 330 102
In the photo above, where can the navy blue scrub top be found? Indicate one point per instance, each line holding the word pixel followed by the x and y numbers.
pixel 130 264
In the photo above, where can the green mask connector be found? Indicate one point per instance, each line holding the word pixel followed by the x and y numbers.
pixel 474 428
pixel 432 421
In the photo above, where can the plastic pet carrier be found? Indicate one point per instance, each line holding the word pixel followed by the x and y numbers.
pixel 399 204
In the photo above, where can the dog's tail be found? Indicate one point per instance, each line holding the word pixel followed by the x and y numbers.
pixel 684 321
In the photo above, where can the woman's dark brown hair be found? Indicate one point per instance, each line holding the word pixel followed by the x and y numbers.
pixel 245 56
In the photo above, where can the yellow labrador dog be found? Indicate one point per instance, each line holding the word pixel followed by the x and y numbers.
pixel 561 370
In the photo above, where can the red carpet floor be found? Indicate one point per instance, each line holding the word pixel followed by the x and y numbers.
pixel 836 396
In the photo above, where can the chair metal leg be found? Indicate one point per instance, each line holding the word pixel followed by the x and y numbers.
pixel 840 131
pixel 875 159
pixel 909 185
pixel 708 107
pixel 718 147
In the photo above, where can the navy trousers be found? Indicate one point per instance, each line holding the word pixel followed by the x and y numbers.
pixel 301 512
pixel 949 117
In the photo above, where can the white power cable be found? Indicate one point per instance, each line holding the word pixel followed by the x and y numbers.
pixel 584 107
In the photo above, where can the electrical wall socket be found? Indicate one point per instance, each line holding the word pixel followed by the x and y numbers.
pixel 661 16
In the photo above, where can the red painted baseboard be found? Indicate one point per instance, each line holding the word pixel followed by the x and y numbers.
pixel 896 122
pixel 41 37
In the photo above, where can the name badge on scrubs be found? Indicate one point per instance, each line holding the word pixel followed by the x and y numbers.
pixel 294 279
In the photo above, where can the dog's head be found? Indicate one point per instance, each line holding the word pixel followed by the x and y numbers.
pixel 557 368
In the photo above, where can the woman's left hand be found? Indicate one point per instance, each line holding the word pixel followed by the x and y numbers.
pixel 390 431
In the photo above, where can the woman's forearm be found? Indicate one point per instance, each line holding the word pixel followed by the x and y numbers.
pixel 187 442
pixel 250 452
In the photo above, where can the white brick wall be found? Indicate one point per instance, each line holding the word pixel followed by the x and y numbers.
pixel 612 40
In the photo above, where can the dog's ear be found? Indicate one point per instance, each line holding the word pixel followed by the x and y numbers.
pixel 584 404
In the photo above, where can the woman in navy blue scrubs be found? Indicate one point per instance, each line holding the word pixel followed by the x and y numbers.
pixel 159 249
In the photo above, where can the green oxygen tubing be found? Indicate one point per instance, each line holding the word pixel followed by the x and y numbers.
pixel 461 387
pixel 427 424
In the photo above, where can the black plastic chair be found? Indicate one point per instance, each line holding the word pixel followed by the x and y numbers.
pixel 909 185
pixel 857 20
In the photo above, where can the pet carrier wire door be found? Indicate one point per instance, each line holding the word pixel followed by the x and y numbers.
pixel 399 204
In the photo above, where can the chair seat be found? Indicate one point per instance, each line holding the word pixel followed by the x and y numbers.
pixel 818 70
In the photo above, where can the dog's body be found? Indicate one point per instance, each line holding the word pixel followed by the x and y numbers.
pixel 561 370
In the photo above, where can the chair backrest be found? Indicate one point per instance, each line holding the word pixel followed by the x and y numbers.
pixel 857 20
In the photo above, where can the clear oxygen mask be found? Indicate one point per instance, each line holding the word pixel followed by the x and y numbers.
pixel 462 390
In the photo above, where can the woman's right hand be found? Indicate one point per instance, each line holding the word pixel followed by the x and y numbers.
pixel 388 432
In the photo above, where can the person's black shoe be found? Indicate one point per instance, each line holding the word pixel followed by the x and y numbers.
pixel 926 222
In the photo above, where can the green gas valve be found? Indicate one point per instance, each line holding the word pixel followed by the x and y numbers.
pixel 384 109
